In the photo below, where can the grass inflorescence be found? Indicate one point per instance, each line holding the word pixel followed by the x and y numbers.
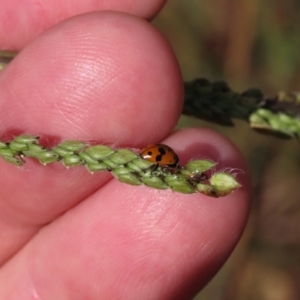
pixel 124 164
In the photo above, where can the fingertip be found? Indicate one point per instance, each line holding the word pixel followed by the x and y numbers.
pixel 93 72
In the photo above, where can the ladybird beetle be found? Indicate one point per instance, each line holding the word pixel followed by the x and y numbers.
pixel 161 155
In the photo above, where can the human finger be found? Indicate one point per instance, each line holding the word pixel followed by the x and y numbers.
pixel 119 85
pixel 128 242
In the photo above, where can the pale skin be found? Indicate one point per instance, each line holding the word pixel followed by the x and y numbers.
pixel 67 234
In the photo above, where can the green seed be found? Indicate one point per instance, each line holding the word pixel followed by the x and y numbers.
pixel 179 184
pixel 26 139
pixel 126 177
pixel 122 156
pixel 99 152
pixel 207 189
pixel 96 167
pixel 72 145
pixel 224 183
pixel 72 161
pixel 47 157
pixel 62 152
pixel 13 160
pixel 17 146
pixel 154 182
pixel 87 158
pixel 199 166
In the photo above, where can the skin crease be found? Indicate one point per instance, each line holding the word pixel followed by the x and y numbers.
pixel 25 19
pixel 86 232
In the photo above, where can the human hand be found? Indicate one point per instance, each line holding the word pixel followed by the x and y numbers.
pixel 67 234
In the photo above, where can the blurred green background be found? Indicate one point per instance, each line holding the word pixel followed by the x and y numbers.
pixel 249 43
